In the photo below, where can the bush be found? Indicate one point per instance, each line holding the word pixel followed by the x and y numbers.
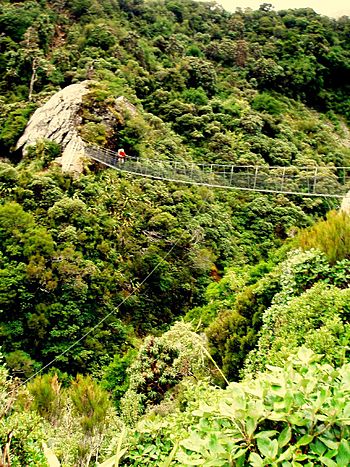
pixel 239 308
pixel 317 319
pixel 45 151
pixel 13 125
pixel 100 35
pixel 45 390
pixel 332 236
pixel 95 133
pixel 266 103
pixel 20 364
pixel 195 96
pixel 162 362
pixel 290 416
pixel 21 431
pixel 115 377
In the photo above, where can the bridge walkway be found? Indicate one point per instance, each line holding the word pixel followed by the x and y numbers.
pixel 324 181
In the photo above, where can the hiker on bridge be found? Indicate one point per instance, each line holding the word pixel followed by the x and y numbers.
pixel 121 155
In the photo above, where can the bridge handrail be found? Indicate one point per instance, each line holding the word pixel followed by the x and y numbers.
pixel 327 181
pixel 167 161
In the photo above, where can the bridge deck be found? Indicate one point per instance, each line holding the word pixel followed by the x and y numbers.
pixel 325 181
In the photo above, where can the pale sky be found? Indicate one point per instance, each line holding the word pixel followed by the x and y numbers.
pixel 333 8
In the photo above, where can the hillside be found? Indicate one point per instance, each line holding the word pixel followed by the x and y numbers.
pixel 127 302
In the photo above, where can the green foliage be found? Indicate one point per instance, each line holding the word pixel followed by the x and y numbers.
pixel 288 415
pixel 208 86
pixel 46 396
pixel 317 318
pixel 195 96
pixel 234 331
pixel 13 124
pixel 21 432
pixel 266 103
pixel 100 35
pixel 162 362
pixel 73 241
pixel 44 151
pixel 115 376
pixel 90 402
pixel 77 422
pixel 332 236
pixel 95 133
pixel 20 364
pixel 15 19
pixel 239 304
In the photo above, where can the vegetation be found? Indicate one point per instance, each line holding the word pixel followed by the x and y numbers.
pixel 330 236
pixel 150 324
pixel 297 415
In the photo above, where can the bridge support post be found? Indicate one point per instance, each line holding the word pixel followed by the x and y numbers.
pixel 315 180
pixel 255 177
pixel 283 176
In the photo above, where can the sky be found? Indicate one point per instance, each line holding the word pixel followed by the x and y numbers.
pixel 333 8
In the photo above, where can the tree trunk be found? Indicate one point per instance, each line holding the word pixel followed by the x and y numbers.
pixel 33 78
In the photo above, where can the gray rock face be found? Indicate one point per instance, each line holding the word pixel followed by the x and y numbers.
pixel 124 106
pixel 57 121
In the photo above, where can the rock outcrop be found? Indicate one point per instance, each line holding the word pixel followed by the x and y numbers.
pixel 124 106
pixel 57 121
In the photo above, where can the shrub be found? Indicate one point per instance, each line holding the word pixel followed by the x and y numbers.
pixel 332 236
pixel 45 390
pixel 20 364
pixel 95 133
pixel 100 35
pixel 195 96
pixel 13 125
pixel 162 362
pixel 239 308
pixel 317 318
pixel 21 431
pixel 288 416
pixel 45 151
pixel 91 404
pixel 115 377
pixel 266 103
pixel 291 416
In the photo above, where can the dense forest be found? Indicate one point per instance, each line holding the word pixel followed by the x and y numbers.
pixel 149 323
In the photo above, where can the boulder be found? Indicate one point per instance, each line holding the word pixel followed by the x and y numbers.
pixel 58 120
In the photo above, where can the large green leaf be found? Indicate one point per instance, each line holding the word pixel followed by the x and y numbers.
pixel 304 440
pixel 329 462
pixel 265 434
pixel 329 443
pixel 250 424
pixel 267 447
pixel 255 460
pixel 343 456
pixel 284 437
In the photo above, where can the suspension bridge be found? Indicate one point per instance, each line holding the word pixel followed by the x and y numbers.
pixel 318 181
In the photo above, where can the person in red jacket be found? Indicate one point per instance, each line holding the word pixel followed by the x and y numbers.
pixel 121 155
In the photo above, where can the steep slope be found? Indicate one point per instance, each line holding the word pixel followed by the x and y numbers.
pixel 97 269
pixel 200 84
